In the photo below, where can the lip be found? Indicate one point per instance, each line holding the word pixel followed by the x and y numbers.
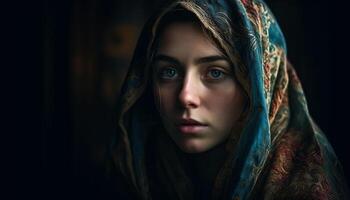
pixel 191 126
pixel 190 122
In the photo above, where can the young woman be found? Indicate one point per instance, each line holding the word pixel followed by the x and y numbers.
pixel 212 109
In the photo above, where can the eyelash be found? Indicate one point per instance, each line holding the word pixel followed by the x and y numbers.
pixel 163 74
pixel 209 75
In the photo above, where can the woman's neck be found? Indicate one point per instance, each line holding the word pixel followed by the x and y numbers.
pixel 203 167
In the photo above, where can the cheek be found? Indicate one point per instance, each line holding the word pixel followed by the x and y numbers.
pixel 165 98
pixel 226 103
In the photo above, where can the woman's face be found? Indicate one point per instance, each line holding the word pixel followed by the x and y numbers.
pixel 199 100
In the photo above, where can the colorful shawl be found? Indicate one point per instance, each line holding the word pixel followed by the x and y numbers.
pixel 281 153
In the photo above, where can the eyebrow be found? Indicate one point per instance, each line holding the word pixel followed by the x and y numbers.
pixel 201 60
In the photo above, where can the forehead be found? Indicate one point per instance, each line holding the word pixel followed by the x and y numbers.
pixel 186 38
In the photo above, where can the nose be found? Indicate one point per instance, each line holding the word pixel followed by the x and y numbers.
pixel 189 95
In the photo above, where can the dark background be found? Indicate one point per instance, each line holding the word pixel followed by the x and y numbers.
pixel 64 98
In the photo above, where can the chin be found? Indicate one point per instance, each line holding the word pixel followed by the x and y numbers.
pixel 193 147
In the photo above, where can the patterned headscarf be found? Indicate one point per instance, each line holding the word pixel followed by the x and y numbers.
pixel 281 153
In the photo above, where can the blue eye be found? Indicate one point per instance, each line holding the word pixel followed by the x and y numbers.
pixel 215 74
pixel 168 73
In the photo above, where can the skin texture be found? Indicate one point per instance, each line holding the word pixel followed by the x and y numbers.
pixel 194 80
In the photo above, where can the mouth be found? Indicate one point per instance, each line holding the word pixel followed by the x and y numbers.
pixel 191 126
